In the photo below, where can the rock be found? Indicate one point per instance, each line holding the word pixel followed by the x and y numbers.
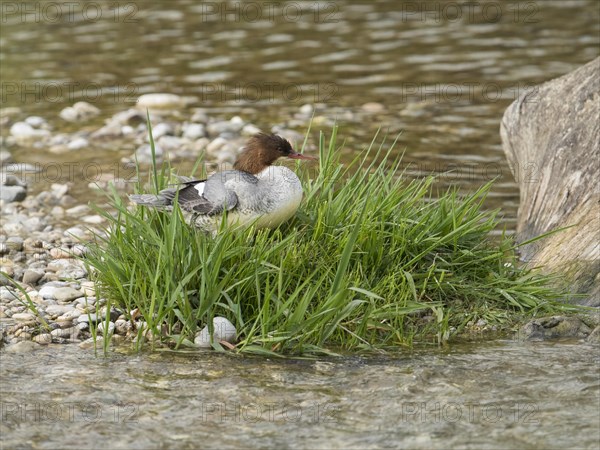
pixel 102 325
pixel 78 144
pixel 22 347
pixel 77 210
pixel 250 130
pixel 550 136
pixel 57 310
pixel 307 110
pixel 144 153
pixel 24 131
pixel 32 276
pixel 193 131
pixel 223 330
pixel 24 317
pixel 75 232
pixel 15 243
pixel 66 294
pixel 43 339
pixel 215 145
pixel 35 121
pixel 159 101
pixel 85 318
pixel 47 291
pixel 5 157
pixel 122 326
pixel 13 193
pixel 171 143
pixel 373 107
pixel 554 327
pixel 79 112
pixel 594 336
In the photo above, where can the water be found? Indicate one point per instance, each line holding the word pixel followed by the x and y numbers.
pixel 444 71
pixel 497 395
pixel 445 81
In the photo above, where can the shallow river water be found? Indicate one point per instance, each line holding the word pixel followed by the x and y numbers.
pixel 444 80
pixel 500 395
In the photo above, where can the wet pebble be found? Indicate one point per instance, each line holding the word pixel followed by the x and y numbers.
pixel 79 112
pixel 223 330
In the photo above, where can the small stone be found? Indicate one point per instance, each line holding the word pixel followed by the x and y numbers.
pixel 373 107
pixel 250 130
pixel 78 144
pixel 15 243
pixel 161 129
pixel 32 276
pixel 193 131
pixel 77 210
pixel 22 347
pixel 144 153
pixel 75 232
pixel 24 317
pixel 5 157
pixel 47 291
pixel 24 131
pixel 216 145
pixel 307 110
pixel 93 219
pixel 102 326
pixel 80 111
pixel 223 330
pixel 122 326
pixel 87 318
pixel 159 101
pixel 57 310
pixel 12 193
pixel 43 339
pixel 66 294
pixel 35 121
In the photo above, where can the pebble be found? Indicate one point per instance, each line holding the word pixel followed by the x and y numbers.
pixel 66 294
pixel 159 100
pixel 35 121
pixel 12 193
pixel 102 325
pixel 193 131
pixel 32 276
pixel 22 347
pixel 78 144
pixel 24 317
pixel 43 339
pixel 223 330
pixel 58 310
pixel 23 130
pixel 79 112
pixel 144 153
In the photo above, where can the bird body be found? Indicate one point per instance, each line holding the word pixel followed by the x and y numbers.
pixel 253 193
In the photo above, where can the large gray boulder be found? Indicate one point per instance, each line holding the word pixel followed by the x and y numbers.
pixel 551 137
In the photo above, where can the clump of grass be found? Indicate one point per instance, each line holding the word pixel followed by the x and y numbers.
pixel 370 261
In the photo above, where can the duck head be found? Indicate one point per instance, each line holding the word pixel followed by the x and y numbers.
pixel 264 149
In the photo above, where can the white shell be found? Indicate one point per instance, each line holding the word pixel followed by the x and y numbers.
pixel 223 330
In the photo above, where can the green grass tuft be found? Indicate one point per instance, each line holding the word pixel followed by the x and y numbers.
pixel 370 261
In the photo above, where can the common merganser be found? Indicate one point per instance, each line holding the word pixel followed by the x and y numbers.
pixel 254 192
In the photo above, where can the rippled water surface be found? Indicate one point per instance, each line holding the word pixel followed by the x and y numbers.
pixel 444 71
pixel 498 395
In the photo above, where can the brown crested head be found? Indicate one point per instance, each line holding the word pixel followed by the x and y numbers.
pixel 262 150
